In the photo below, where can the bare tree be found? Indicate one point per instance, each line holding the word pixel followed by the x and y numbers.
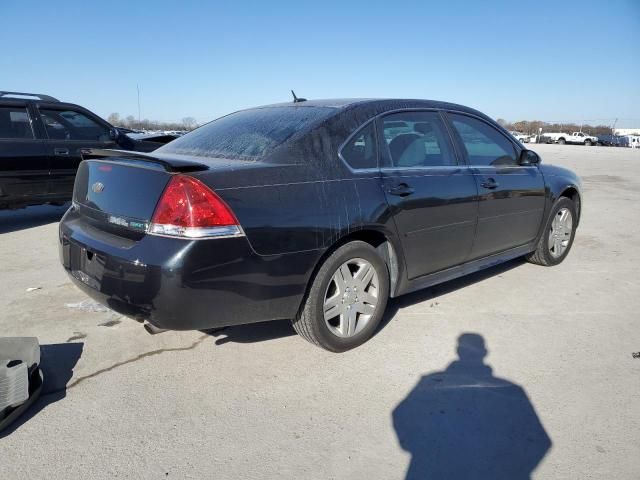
pixel 114 119
pixel 189 123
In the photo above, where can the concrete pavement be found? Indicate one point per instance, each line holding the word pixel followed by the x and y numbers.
pixel 259 402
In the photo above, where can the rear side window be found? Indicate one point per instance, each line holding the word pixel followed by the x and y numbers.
pixel 247 135
pixel 417 139
pixel 14 123
pixel 361 151
pixel 72 125
pixel 485 145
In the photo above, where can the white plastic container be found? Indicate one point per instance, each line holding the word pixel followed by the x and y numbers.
pixel 14 384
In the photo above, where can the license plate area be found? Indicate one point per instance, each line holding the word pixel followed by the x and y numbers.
pixel 87 266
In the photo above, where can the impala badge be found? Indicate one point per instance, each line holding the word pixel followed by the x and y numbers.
pixel 97 187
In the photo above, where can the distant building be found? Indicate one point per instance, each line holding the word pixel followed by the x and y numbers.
pixel 626 131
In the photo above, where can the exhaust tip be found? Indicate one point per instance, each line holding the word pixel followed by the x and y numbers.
pixel 153 330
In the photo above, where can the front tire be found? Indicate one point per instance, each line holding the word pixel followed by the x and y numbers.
pixel 557 237
pixel 588 143
pixel 346 300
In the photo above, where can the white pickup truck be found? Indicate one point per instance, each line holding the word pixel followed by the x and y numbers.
pixel 576 137
pixel 521 137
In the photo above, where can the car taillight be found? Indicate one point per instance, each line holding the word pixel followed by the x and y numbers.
pixel 190 209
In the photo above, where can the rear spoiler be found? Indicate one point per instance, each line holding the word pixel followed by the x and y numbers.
pixel 170 164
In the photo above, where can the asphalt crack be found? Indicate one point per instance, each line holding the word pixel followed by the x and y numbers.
pixel 127 362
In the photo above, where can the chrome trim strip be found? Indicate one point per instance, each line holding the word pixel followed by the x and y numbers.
pixel 195 233
pixel 349 138
pixel 518 146
pixel 444 168
pixel 501 167
pixel 373 119
pixel 500 130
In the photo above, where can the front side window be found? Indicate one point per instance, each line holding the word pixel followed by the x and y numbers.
pixel 361 151
pixel 14 123
pixel 485 145
pixel 248 134
pixel 72 125
pixel 417 139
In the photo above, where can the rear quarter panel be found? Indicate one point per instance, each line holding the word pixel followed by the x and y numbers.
pixel 309 214
pixel 303 197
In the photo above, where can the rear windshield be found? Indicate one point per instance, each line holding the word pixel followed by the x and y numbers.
pixel 246 135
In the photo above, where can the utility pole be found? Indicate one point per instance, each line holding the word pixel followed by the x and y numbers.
pixel 138 88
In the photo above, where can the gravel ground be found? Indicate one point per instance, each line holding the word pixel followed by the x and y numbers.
pixel 558 395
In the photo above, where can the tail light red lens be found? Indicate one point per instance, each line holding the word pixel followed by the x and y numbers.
pixel 188 208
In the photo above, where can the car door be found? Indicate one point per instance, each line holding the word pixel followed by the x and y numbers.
pixel 24 164
pixel 70 132
pixel 432 195
pixel 512 196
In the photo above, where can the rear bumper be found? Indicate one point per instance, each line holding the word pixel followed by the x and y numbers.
pixel 183 284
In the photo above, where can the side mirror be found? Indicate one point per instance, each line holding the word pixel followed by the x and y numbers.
pixel 114 134
pixel 529 157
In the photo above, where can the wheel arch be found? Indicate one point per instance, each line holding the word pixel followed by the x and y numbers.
pixel 383 242
pixel 573 194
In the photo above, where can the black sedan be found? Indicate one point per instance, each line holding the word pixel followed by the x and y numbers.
pixel 318 211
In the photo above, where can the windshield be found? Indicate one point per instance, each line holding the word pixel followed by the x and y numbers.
pixel 246 135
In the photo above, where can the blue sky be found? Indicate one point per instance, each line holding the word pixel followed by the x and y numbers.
pixel 548 60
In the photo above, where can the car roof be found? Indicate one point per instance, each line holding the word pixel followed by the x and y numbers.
pixel 322 102
pixel 22 101
pixel 377 105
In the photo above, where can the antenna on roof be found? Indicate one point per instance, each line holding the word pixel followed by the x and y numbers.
pixel 296 99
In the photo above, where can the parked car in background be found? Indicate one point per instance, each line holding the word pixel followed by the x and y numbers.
pixel 521 137
pixel 317 211
pixel 612 141
pixel 156 139
pixel 41 143
pixel 576 138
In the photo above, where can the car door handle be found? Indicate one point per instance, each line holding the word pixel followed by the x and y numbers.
pixel 490 183
pixel 401 190
pixel 61 151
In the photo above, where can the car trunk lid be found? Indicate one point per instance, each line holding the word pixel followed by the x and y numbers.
pixel 118 191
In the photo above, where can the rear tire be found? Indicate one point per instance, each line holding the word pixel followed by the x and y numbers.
pixel 335 290
pixel 561 141
pixel 556 240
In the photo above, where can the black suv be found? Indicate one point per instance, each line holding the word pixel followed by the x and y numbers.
pixel 41 146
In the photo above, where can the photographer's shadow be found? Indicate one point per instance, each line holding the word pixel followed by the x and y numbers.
pixel 464 423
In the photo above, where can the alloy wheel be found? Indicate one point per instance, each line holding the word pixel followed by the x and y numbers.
pixel 351 297
pixel 560 232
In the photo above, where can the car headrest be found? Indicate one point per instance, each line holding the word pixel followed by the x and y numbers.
pixel 399 144
pixel 423 128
